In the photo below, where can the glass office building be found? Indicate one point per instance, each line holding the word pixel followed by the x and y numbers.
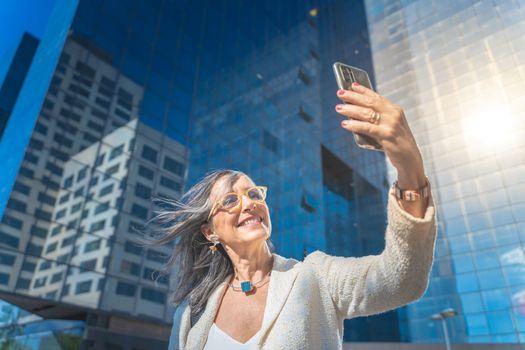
pixel 277 123
pixel 458 69
pixel 148 96
pixel 28 56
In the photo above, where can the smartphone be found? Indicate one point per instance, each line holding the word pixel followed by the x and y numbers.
pixel 345 75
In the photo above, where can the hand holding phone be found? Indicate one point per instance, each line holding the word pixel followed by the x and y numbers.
pixel 345 75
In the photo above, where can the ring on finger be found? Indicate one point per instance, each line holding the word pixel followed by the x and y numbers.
pixel 376 118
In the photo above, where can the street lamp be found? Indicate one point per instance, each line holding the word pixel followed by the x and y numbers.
pixel 442 316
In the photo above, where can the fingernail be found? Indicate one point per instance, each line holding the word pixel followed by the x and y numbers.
pixel 339 107
pixel 344 123
pixel 341 92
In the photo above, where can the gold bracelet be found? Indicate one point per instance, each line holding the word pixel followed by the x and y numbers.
pixel 412 195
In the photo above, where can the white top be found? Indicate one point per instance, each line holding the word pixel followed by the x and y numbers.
pixel 218 340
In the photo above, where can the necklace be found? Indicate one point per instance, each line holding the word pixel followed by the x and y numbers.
pixel 247 286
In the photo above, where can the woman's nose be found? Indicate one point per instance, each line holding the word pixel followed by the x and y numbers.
pixel 247 203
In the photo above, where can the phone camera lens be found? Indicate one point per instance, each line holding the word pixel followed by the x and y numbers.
pixel 346 75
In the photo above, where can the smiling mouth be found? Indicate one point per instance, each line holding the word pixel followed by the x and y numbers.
pixel 251 222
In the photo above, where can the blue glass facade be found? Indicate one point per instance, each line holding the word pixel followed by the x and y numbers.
pixel 458 70
pixel 148 96
pixel 277 123
pixel 27 58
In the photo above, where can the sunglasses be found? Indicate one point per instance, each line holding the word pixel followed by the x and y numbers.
pixel 232 199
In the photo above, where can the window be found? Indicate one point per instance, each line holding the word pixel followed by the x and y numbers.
pixel 65 290
pixel 173 166
pixel 146 172
pixel 56 230
pixel 39 282
pixel 7 260
pixel 107 83
pixel 74 102
pixel 97 226
pixel 85 69
pixel 102 208
pixel 303 76
pixel 79 192
pixel 41 128
pixel 142 191
pixel 168 183
pixel 130 267
pixel 68 182
pixel 271 142
pixel 100 284
pixel 305 114
pixel 33 249
pixel 126 289
pixel 93 181
pixel 13 222
pixel 49 183
pixel 23 283
pixel 115 221
pixel 60 214
pixel 59 154
pixel 149 153
pixel 132 248
pixel 4 278
pixel 38 231
pixel 122 114
pixel 83 287
pixel 9 240
pixel 153 295
pixel 91 246
pixel 72 224
pixel 45 265
pixel 82 174
pixel 99 114
pixel 102 103
pixel 62 140
pixel 114 169
pixel 115 152
pixel 152 275
pixel 45 198
pixel 16 205
pixel 88 265
pixel 156 256
pixel 28 266
pixel 106 190
pixel 42 214
pixel 76 207
pixel 21 188
pixel 139 211
pixel 67 242
pixel 31 158
pixel 308 202
pixel 64 198
pixel 51 248
pixel 100 159
pixel 26 172
pixel 56 277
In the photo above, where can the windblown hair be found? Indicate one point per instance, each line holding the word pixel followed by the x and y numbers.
pixel 198 272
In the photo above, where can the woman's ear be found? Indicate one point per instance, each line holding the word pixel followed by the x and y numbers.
pixel 206 230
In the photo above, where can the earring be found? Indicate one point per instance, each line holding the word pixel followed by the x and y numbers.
pixel 215 239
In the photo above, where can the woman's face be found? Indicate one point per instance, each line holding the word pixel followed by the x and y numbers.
pixel 232 226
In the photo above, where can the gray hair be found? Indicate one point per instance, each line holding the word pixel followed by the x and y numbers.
pixel 198 272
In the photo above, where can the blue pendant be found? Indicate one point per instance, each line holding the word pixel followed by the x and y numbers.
pixel 246 286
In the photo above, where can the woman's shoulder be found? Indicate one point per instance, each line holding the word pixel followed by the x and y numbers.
pixel 284 263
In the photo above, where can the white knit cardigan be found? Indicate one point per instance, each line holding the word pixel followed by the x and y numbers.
pixel 308 301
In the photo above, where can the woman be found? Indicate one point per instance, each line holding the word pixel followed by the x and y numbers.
pixel 238 294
